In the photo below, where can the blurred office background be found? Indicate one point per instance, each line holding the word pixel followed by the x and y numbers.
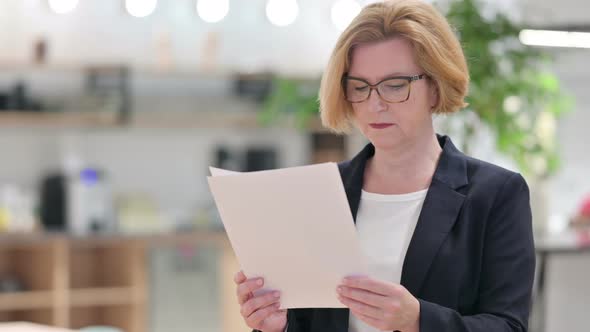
pixel 112 111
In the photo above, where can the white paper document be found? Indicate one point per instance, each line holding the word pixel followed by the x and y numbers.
pixel 292 226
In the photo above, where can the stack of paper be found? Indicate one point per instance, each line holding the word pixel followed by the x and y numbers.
pixel 294 228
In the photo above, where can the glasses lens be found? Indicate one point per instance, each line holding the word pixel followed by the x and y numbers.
pixel 355 90
pixel 394 90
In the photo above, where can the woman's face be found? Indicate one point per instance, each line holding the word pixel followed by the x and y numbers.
pixel 407 120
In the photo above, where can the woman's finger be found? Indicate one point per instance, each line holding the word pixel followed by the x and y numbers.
pixel 370 284
pixel 258 302
pixel 260 315
pixel 367 297
pixel 246 288
pixel 239 277
pixel 362 308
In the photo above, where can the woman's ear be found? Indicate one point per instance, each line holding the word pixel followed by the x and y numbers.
pixel 433 93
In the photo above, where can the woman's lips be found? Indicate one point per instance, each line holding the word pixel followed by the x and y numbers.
pixel 380 125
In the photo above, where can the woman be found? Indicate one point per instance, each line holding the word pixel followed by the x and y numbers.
pixel 448 237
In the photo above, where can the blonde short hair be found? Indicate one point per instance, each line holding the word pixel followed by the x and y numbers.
pixel 437 51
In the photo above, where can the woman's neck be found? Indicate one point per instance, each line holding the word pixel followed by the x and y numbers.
pixel 403 169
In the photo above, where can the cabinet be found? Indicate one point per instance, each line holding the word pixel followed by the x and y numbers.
pixel 74 282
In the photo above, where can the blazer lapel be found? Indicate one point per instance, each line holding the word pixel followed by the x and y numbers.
pixel 352 173
pixel 439 213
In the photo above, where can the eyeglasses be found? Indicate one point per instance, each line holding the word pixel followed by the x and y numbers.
pixel 391 90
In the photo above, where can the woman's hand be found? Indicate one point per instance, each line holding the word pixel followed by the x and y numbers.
pixel 383 305
pixel 259 312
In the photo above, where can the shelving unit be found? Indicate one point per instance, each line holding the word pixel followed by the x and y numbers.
pixel 26 300
pixel 112 315
pixel 39 316
pixel 74 282
pixel 239 120
pixel 34 265
pixel 104 296
pixel 56 119
pixel 152 98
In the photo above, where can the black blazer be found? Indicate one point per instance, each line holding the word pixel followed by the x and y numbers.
pixel 471 259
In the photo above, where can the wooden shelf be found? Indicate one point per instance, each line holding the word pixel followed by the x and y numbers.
pixel 98 280
pixel 68 279
pixel 174 71
pixel 103 296
pixel 31 266
pixel 26 300
pixel 39 316
pixel 29 327
pixel 21 66
pixel 114 315
pixel 246 119
pixel 56 119
pixel 40 240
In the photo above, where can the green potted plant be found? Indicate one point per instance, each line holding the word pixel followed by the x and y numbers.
pixel 511 91
pixel 514 95
pixel 294 99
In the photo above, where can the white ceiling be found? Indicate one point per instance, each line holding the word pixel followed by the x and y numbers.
pixel 549 13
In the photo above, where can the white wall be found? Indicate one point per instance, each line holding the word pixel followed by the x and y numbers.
pixel 101 31
pixel 548 13
pixel 170 165
pixel 573 182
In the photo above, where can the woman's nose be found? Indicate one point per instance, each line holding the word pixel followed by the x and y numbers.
pixel 375 103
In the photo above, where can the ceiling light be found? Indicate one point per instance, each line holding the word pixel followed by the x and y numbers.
pixel 140 8
pixel 212 11
pixel 62 6
pixel 550 38
pixel 282 12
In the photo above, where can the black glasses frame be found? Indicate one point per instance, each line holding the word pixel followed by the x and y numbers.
pixel 372 87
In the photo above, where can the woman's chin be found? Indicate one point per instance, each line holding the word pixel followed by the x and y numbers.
pixel 384 143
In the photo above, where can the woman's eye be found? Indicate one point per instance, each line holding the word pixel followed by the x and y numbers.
pixel 361 88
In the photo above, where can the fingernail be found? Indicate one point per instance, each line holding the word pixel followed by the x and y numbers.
pixel 259 282
pixel 340 289
pixel 277 294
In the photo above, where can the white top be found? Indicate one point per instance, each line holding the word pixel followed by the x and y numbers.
pixel 385 225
